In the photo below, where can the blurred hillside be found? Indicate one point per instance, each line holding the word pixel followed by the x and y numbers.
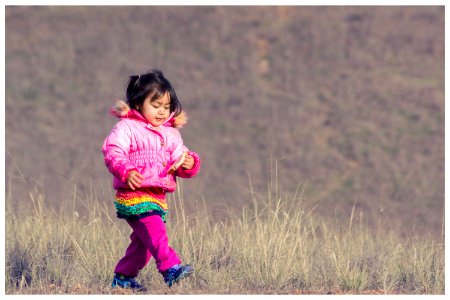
pixel 345 102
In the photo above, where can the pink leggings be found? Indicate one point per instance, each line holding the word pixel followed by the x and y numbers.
pixel 149 238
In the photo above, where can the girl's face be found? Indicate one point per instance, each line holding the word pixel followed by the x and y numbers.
pixel 156 111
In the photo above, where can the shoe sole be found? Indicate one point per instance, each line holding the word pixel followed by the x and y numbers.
pixel 118 286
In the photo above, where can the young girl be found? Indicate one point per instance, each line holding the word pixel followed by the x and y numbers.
pixel 144 151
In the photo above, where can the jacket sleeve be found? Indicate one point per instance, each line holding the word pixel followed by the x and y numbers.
pixel 183 173
pixel 115 151
pixel 179 146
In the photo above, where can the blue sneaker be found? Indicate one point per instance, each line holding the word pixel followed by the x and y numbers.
pixel 125 282
pixel 176 273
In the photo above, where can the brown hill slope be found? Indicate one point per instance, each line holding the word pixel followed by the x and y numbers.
pixel 348 101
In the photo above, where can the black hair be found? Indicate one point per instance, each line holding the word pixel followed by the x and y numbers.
pixel 153 83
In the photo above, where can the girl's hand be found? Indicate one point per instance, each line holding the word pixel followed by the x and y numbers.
pixel 134 179
pixel 188 162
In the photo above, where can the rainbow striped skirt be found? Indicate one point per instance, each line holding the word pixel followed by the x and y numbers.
pixel 134 205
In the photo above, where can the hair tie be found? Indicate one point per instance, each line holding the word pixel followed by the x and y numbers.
pixel 139 77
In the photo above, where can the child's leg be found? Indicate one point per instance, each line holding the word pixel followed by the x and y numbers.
pixel 152 233
pixel 135 259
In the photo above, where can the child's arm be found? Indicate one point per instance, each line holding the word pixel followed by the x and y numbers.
pixel 185 173
pixel 115 151
pixel 179 148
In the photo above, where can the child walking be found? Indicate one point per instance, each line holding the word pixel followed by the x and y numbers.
pixel 145 153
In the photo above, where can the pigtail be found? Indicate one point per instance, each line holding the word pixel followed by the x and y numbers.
pixel 132 90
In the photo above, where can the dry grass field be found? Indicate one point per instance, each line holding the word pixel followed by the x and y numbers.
pixel 280 246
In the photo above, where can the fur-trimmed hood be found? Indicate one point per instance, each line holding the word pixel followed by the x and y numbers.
pixel 122 110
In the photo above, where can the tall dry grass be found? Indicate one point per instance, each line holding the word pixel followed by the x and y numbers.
pixel 276 246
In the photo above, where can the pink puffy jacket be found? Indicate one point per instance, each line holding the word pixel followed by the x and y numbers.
pixel 134 144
